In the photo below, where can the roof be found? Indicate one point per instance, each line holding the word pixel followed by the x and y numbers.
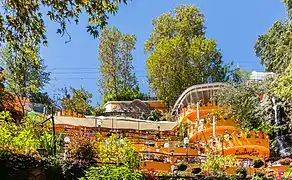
pixel 128 102
pixel 196 93
pixel 116 123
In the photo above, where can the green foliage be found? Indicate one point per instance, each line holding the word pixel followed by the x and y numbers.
pixel 112 172
pixel 180 55
pixel 243 103
pixel 16 166
pixel 42 98
pixel 154 116
pixel 127 95
pixel 24 138
pixel 288 173
pixel 239 76
pixel 288 4
pixel 23 21
pixel 260 176
pixel 115 54
pixel 117 151
pixel 283 84
pixel 274 47
pixel 46 141
pixel 99 110
pixel 241 172
pixel 216 164
pixel 77 100
pixel 81 148
pixel 22 77
pixel 16 139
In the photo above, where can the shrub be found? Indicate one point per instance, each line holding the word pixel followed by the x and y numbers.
pixel 112 172
pixel 81 148
pixel 117 151
pixel 71 169
pixel 16 166
pixel 241 172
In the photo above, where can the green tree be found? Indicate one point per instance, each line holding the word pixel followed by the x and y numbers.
pixel 239 76
pixel 76 100
pixel 115 54
pixel 252 108
pixel 22 78
pixel 42 98
pixel 274 47
pixel 22 21
pixel 283 84
pixel 180 55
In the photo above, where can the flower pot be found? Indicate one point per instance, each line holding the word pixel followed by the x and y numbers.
pixel 196 170
pixel 182 167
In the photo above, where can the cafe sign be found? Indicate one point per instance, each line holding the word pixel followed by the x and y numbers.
pixel 245 152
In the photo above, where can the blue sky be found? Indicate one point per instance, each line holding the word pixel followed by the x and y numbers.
pixel 234 24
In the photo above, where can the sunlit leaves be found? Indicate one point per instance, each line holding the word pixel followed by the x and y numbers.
pixel 112 172
pixel 180 55
pixel 115 54
pixel 118 151
pixel 76 100
pixel 24 71
pixel 23 20
pixel 283 84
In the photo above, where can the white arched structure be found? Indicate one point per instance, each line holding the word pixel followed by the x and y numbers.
pixel 196 93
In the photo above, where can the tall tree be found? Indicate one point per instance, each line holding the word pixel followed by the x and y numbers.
pixel 274 47
pixel 118 82
pixel 180 55
pixel 22 78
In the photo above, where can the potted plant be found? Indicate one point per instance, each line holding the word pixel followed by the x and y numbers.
pixel 241 172
pixel 257 163
pixel 181 166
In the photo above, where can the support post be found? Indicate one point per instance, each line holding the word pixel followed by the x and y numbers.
pixel 54 132
pixel 214 127
pixel 198 119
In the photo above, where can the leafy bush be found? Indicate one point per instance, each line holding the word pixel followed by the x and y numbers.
pixel 260 176
pixel 112 172
pixel 65 169
pixel 288 173
pixel 81 148
pixel 74 169
pixel 154 116
pixel 216 164
pixel 241 172
pixel 16 166
pixel 127 95
pixel 117 151
pixel 18 139
pixel 46 141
